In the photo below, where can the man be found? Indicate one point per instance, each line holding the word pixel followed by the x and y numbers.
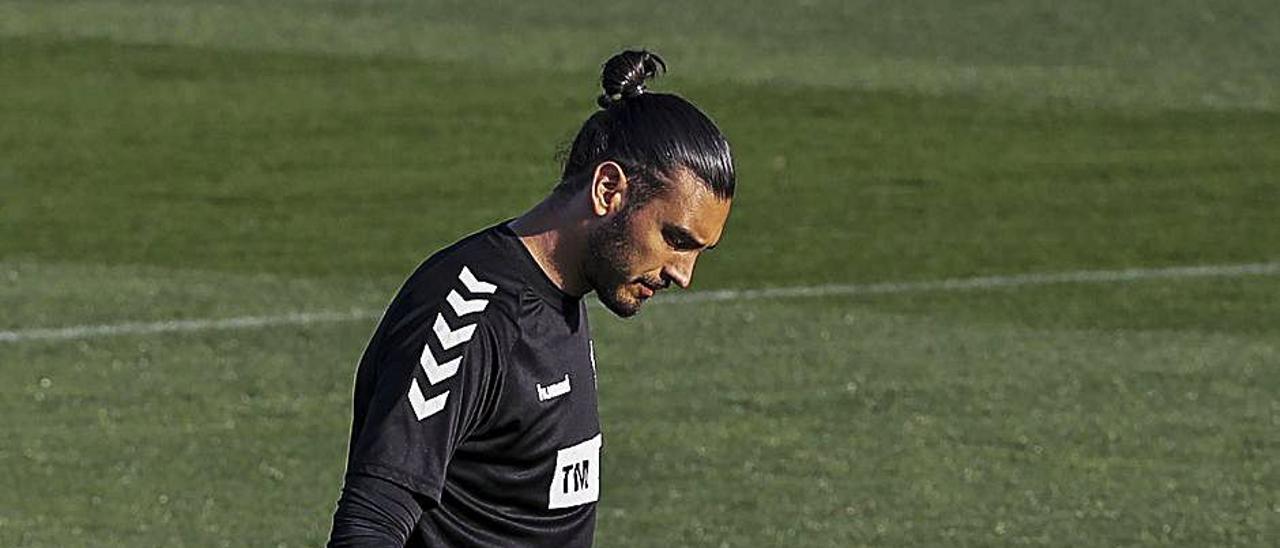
pixel 475 417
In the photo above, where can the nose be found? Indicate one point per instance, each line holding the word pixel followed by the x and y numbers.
pixel 680 270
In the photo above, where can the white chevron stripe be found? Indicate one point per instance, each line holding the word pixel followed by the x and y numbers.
pixel 474 285
pixel 450 338
pixel 423 407
pixel 462 306
pixel 436 371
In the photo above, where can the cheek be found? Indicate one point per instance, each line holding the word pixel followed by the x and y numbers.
pixel 646 250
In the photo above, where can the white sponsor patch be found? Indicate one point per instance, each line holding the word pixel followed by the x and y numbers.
pixel 553 390
pixel 577 476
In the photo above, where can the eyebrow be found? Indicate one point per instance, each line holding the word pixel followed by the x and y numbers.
pixel 683 234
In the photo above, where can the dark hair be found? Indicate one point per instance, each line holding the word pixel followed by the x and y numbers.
pixel 651 135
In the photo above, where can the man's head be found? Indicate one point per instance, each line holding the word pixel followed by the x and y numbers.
pixel 635 249
pixel 658 179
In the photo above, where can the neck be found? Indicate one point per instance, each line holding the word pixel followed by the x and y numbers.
pixel 552 234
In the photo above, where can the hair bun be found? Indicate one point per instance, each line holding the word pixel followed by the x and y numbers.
pixel 625 74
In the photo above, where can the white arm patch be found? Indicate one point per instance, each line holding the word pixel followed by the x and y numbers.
pixel 448 337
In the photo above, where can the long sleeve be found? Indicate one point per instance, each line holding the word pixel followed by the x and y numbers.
pixel 374 512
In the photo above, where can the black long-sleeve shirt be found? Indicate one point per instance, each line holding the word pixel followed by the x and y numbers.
pixel 475 419
pixel 375 513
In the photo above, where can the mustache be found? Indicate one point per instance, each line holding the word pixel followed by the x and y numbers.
pixel 655 284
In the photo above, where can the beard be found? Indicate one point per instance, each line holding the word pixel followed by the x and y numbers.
pixel 609 256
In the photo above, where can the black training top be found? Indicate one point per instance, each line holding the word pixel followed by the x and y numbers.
pixel 477 391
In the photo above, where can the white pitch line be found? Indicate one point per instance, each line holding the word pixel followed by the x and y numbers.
pixel 170 326
pixel 955 284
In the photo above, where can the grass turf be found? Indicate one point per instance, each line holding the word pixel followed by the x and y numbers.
pixel 815 422
pixel 1184 54
pixel 158 181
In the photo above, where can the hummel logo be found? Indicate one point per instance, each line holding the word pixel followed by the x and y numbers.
pixel 554 390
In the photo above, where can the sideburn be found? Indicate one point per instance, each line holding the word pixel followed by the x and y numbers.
pixel 608 250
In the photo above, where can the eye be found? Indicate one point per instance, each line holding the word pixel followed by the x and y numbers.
pixel 679 241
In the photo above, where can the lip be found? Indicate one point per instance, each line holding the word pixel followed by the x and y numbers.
pixel 645 291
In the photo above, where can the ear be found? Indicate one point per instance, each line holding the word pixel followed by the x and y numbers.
pixel 608 188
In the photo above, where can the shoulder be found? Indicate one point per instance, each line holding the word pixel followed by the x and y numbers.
pixel 467 285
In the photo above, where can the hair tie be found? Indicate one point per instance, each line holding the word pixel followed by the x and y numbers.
pixel 609 99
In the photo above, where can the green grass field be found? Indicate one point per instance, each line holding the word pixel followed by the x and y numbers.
pixel 193 160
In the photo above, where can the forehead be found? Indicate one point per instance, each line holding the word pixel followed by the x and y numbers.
pixel 689 204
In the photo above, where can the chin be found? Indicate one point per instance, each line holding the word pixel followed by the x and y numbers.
pixel 622 306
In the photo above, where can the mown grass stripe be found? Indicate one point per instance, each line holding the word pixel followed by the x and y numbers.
pixel 983 282
pixel 956 284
